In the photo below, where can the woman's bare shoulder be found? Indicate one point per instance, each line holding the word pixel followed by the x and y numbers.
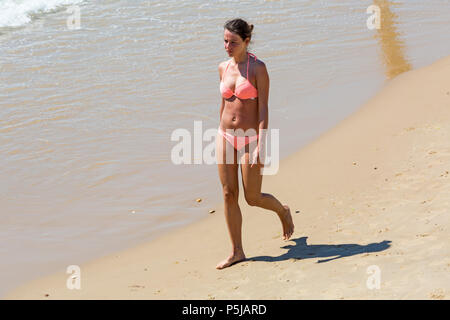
pixel 260 67
pixel 260 64
pixel 222 65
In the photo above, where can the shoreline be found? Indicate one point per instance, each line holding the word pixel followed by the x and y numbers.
pixel 369 179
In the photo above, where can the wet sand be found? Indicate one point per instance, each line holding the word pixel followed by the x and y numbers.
pixel 370 203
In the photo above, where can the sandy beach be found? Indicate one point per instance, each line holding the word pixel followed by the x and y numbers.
pixel 369 198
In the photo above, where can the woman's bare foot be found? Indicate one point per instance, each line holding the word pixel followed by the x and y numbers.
pixel 231 260
pixel 286 221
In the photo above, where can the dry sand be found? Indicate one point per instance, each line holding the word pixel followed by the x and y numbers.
pixel 373 193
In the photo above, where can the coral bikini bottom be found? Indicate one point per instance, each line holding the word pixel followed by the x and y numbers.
pixel 237 142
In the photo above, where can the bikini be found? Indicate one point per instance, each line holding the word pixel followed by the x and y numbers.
pixel 244 90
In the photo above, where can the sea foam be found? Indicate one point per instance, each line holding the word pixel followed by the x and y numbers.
pixel 14 13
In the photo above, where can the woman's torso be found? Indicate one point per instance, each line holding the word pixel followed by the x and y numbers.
pixel 239 113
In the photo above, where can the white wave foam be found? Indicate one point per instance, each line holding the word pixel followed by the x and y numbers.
pixel 14 13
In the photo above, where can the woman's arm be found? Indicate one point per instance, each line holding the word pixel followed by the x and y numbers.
pixel 262 82
pixel 223 100
pixel 221 108
pixel 262 85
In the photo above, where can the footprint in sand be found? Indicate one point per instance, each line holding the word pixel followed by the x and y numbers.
pixel 134 287
pixel 437 294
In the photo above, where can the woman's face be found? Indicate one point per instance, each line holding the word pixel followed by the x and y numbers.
pixel 233 43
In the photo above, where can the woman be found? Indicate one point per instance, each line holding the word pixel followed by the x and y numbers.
pixel 244 85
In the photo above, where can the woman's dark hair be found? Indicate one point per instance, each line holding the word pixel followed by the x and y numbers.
pixel 240 27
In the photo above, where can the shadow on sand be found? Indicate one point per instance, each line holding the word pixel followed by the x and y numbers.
pixel 301 250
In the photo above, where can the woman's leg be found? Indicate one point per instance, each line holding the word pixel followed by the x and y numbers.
pixel 228 173
pixel 252 181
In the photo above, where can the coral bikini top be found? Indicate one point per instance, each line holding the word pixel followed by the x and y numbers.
pixel 244 90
